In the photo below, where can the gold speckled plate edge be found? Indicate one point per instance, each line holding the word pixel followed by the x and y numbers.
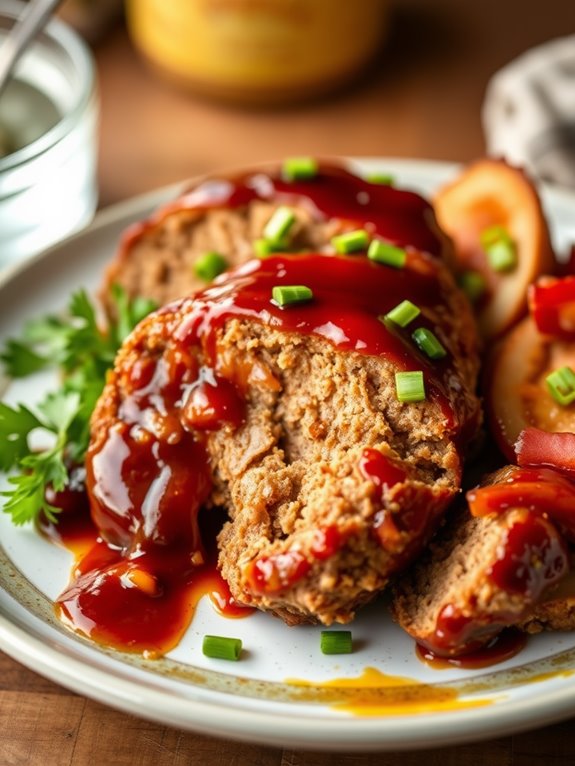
pixel 353 733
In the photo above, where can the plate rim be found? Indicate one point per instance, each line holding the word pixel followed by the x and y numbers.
pixel 358 734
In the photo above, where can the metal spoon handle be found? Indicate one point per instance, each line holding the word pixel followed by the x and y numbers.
pixel 33 19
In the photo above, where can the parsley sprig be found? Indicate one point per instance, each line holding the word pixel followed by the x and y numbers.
pixel 84 352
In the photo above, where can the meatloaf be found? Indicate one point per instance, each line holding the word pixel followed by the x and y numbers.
pixel 227 215
pixel 480 574
pixel 288 416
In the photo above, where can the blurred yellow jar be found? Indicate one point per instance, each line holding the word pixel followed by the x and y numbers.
pixel 258 51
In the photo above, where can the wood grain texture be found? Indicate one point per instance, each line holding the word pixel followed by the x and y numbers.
pixel 422 98
pixel 42 724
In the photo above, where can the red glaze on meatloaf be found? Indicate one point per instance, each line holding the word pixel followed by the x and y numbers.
pixel 506 565
pixel 289 418
pixel 227 215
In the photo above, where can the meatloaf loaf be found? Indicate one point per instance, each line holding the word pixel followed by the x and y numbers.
pixel 157 258
pixel 288 415
pixel 482 573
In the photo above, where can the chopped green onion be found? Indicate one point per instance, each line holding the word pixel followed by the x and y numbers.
pixel 382 179
pixel 299 168
pixel 263 247
pixel 351 241
pixel 473 285
pixel 336 642
pixel 404 313
pixel 561 384
pixel 502 256
pixel 428 343
pixel 285 295
pixel 277 228
pixel 222 648
pixel 209 265
pixel 409 386
pixel 499 248
pixel 493 234
pixel 390 255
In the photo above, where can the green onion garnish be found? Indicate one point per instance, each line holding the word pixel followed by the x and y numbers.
pixel 351 241
pixel 209 265
pixel 404 313
pixel 499 248
pixel 473 285
pixel 222 648
pixel 383 179
pixel 285 295
pixel 336 642
pixel 390 255
pixel 409 386
pixel 493 234
pixel 502 256
pixel 299 168
pixel 263 247
pixel 277 228
pixel 561 384
pixel 428 343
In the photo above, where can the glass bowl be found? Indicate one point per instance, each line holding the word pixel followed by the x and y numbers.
pixel 48 129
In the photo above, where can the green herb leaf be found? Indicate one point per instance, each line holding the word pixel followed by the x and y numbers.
pixel 84 352
pixel 27 498
pixel 21 360
pixel 59 409
pixel 15 425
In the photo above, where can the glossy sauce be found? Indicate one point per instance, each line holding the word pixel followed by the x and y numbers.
pixel 531 557
pixel 504 646
pixel 400 217
pixel 149 475
pixel 384 474
pixel 539 490
pixel 141 602
pixel 350 294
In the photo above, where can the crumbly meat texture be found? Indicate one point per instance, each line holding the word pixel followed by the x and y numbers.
pixel 156 259
pixel 454 574
pixel 290 475
pixel 557 610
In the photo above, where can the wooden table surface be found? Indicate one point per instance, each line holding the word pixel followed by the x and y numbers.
pixel 422 99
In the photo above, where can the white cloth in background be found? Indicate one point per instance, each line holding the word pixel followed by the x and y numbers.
pixel 529 112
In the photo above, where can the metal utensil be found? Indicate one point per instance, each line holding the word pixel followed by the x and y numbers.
pixel 33 19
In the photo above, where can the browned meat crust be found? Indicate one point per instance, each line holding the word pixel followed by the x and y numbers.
pixel 156 257
pixel 310 536
pixel 451 601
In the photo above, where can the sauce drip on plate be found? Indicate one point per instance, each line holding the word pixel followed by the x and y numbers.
pixel 504 646
pixel 149 475
pixel 142 601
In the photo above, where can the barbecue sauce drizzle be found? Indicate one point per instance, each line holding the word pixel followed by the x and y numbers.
pixel 531 558
pixel 398 216
pixel 149 475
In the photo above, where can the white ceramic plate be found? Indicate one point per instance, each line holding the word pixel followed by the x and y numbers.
pixel 379 697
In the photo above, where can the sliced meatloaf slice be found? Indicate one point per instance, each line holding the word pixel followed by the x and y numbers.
pixel 226 215
pixel 483 573
pixel 290 417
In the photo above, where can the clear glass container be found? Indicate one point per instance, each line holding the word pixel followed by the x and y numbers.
pixel 48 129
